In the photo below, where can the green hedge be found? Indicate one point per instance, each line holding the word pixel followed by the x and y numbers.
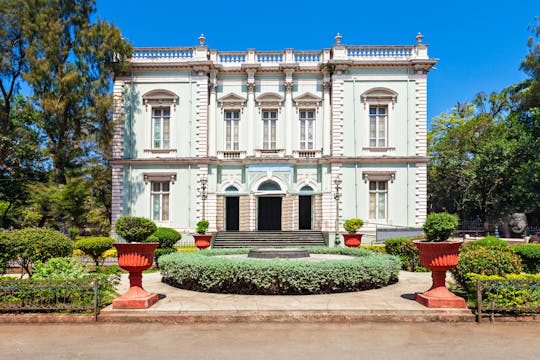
pixel 440 226
pixel 94 247
pixel 166 237
pixel 489 241
pixel 204 271
pixel 530 257
pixel 407 252
pixel 134 229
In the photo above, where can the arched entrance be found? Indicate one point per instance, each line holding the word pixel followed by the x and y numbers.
pixel 305 206
pixel 232 209
pixel 269 207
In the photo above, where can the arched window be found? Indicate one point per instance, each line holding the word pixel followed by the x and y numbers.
pixel 306 189
pixel 269 186
pixel 231 189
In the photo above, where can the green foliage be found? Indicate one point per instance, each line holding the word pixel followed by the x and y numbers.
pixel 38 244
pixel 202 226
pixel 74 232
pixel 135 229
pixel 352 225
pixel 486 261
pixel 94 247
pixel 439 226
pixel 7 252
pixel 530 256
pixel 489 241
pixel 407 252
pixel 166 237
pixel 207 271
pixel 515 293
pixel 375 248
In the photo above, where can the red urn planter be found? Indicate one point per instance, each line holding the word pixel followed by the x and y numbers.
pixel 135 258
pixel 439 257
pixel 202 241
pixel 352 240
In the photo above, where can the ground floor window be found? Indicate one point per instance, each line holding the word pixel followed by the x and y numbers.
pixel 160 201
pixel 378 196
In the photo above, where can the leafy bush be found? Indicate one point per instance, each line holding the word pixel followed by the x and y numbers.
pixel 159 252
pixel 71 268
pixel 7 252
pixel 352 225
pixel 135 229
pixel 38 244
pixel 486 261
pixel 202 226
pixel 530 256
pixel 166 237
pixel 439 226
pixel 489 241
pixel 407 252
pixel 94 247
pixel 515 292
pixel 74 232
pixel 375 248
pixel 206 271
pixel 185 248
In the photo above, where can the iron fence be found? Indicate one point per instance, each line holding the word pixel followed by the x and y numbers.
pixel 27 295
pixel 507 296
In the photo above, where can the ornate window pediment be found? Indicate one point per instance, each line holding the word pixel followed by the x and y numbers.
pixel 268 100
pixel 159 176
pixel 232 101
pixel 379 176
pixel 160 97
pixel 379 95
pixel 307 100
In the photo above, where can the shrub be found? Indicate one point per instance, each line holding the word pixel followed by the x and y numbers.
pixel 486 261
pixel 111 253
pixel 74 232
pixel 530 256
pixel 439 226
pixel 352 225
pixel 160 252
pixel 38 244
pixel 7 252
pixel 489 241
pixel 202 226
pixel 407 252
pixel 135 229
pixel 206 271
pixel 94 247
pixel 375 248
pixel 166 237
pixel 71 268
pixel 185 248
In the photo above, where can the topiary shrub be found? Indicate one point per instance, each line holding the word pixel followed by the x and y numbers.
pixel 207 271
pixel 94 247
pixel 439 226
pixel 530 256
pixel 166 237
pixel 202 226
pixel 486 261
pixel 352 225
pixel 38 244
pixel 135 229
pixel 407 252
pixel 489 241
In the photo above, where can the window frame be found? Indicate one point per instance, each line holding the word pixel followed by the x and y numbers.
pixel 274 128
pixel 230 145
pixel 161 193
pixel 377 192
pixel 303 143
pixel 385 123
pixel 162 127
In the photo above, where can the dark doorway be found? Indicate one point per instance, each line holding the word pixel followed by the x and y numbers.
pixel 232 210
pixel 304 212
pixel 269 213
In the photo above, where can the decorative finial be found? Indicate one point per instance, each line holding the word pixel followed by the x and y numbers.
pixel 202 39
pixel 419 38
pixel 338 39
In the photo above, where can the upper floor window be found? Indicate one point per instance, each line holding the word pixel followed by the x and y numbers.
pixel 232 120
pixel 160 200
pixel 269 118
pixel 161 122
pixel 378 195
pixel 307 126
pixel 378 124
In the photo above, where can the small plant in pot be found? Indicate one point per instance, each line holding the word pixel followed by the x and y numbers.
pixel 135 257
pixel 439 254
pixel 352 239
pixel 202 241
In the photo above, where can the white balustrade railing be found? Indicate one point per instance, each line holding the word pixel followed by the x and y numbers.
pixel 232 57
pixel 380 52
pixel 162 54
pixel 269 57
pixel 307 56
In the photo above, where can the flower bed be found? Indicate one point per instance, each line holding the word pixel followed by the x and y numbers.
pixel 203 271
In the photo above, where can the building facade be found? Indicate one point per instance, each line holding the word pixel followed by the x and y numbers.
pixel 260 140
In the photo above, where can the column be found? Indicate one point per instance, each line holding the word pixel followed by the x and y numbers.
pixel 212 87
pixel 251 118
pixel 289 121
pixel 326 116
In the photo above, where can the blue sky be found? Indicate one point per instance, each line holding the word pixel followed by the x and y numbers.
pixel 480 44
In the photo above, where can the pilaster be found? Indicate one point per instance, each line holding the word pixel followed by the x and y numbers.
pixel 288 113
pixel 420 194
pixel 201 120
pixel 337 115
pixel 327 116
pixel 250 112
pixel 212 110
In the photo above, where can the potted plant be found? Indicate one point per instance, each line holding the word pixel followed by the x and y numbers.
pixel 202 241
pixel 352 239
pixel 439 254
pixel 135 257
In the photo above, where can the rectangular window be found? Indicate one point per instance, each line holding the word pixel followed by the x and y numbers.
pixel 307 126
pixel 378 195
pixel 161 119
pixel 269 129
pixel 378 122
pixel 232 120
pixel 160 201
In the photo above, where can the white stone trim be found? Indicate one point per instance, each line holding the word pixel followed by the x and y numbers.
pixel 117 205
pixel 420 194
pixel 337 116
pixel 421 115
pixel 201 116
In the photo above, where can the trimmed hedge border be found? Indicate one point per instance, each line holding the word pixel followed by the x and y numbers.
pixel 203 271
